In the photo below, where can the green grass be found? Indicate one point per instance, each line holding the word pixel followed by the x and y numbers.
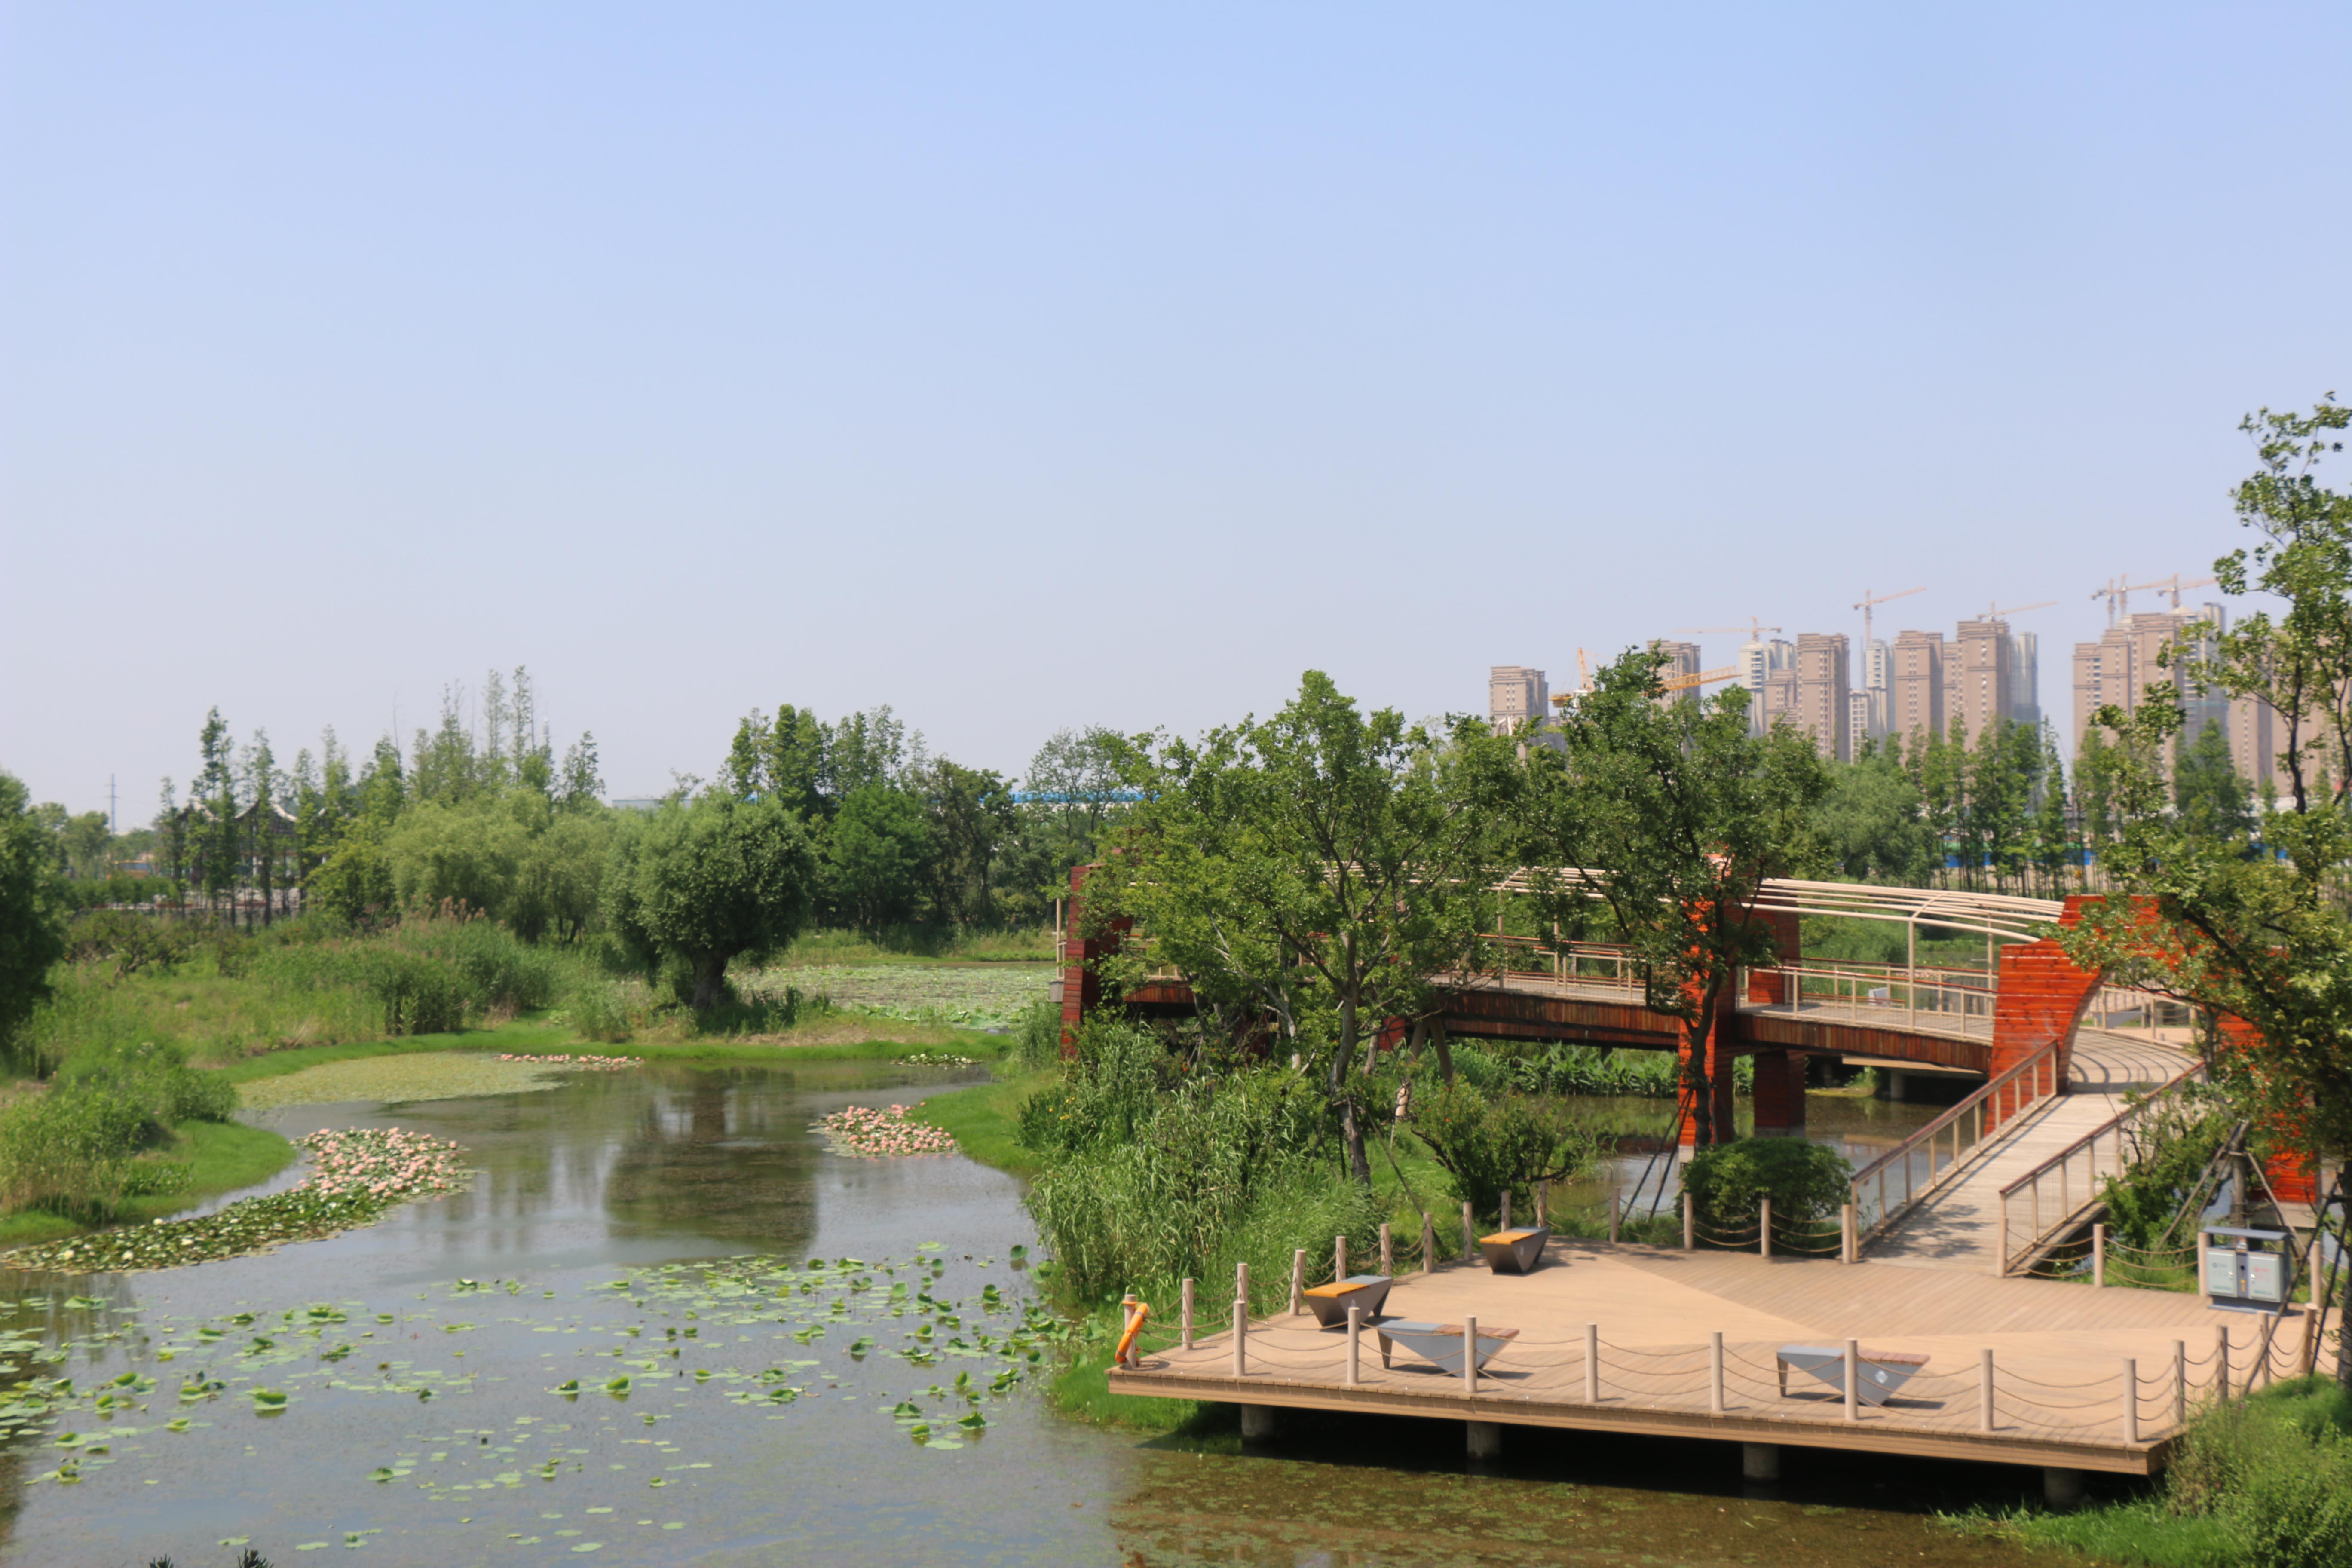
pixel 921 946
pixel 2142 1531
pixel 982 1120
pixel 224 1156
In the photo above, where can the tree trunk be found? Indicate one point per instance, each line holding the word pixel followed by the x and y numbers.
pixel 1351 1126
pixel 709 974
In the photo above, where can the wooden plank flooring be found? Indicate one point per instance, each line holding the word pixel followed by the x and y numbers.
pixel 2058 1353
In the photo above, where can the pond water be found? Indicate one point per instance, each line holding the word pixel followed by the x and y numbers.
pixel 776 1410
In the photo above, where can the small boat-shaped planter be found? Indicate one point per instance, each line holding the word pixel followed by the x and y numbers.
pixel 1442 1343
pixel 1330 1303
pixel 1516 1251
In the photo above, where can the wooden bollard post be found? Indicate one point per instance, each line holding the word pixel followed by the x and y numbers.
pixel 1469 1356
pixel 2179 1384
pixel 2306 1355
pixel 1355 1342
pixel 1764 1226
pixel 1846 1249
pixel 1428 1244
pixel 1543 1204
pixel 2222 1362
pixel 1187 1314
pixel 1984 1392
pixel 1715 1373
pixel 1241 1283
pixel 1338 1258
pixel 1469 1235
pixel 1241 1339
pixel 2099 1256
pixel 1690 1226
pixel 1297 1280
pixel 1592 1363
pixel 2131 1400
pixel 1854 1380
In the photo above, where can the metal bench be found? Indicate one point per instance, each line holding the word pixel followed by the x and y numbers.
pixel 1877 1373
pixel 1442 1343
pixel 1330 1303
pixel 1518 1251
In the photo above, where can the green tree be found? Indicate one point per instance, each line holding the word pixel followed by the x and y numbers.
pixel 213 807
pixel 85 842
pixel 2264 937
pixel 1870 822
pixel 31 912
pixel 1314 870
pixel 971 822
pixel 878 855
pixel 2208 791
pixel 709 882
pixel 1677 815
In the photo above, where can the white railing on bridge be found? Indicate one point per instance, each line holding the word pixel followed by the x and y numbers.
pixel 2057 1196
pixel 1884 1191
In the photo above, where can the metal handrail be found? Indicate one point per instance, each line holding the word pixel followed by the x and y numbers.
pixel 2068 1209
pixel 2030 1070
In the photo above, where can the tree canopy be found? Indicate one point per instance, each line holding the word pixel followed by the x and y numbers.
pixel 709 882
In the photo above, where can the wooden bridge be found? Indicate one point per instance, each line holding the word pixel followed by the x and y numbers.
pixel 2054 1049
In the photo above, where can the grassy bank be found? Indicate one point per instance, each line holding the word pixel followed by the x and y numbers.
pixel 222 1157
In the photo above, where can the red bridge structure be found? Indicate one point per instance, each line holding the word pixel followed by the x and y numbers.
pixel 2051 1050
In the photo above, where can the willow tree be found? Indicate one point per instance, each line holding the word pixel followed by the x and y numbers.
pixel 1316 870
pixel 1671 815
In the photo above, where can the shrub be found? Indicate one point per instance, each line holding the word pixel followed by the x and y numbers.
pixel 1114 1087
pixel 153 1075
pixel 1037 1036
pixel 418 995
pixel 1493 1144
pixel 2275 1472
pixel 1806 1181
pixel 1217 1172
pixel 69 1151
pixel 130 942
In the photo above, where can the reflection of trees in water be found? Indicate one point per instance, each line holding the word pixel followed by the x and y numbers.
pixel 708 1159
pixel 33 1307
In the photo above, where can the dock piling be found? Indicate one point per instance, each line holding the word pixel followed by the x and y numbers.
pixel 1297 1280
pixel 1854 1380
pixel 1469 1356
pixel 2131 1400
pixel 1592 1363
pixel 1984 1392
pixel 1241 1339
pixel 2061 1488
pixel 1715 1373
pixel 1187 1314
pixel 1484 1439
pixel 1355 1342
pixel 1760 1463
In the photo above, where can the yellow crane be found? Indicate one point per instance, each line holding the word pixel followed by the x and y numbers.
pixel 1868 599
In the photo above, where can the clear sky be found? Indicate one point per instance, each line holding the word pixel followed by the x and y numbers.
pixel 1024 367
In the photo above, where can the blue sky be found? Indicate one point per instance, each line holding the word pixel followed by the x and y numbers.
pixel 1028 367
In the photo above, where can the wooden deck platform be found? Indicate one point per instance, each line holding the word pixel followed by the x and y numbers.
pixel 2058 1353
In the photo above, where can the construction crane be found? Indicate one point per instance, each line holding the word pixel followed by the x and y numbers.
pixel 1868 599
pixel 2174 585
pixel 1565 700
pixel 1993 612
pixel 1755 628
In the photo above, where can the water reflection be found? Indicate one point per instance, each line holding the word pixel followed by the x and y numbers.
pixel 671 1163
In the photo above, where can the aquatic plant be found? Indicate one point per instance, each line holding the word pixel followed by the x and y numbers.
pixel 874 1134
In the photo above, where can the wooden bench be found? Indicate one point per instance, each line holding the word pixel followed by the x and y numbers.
pixel 1516 1251
pixel 1330 1303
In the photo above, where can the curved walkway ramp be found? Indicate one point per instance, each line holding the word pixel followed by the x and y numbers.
pixel 1965 1224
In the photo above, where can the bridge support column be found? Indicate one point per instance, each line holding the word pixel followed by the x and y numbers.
pixel 1257 1422
pixel 2062 1489
pixel 1759 1462
pixel 1779 1094
pixel 1486 1439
